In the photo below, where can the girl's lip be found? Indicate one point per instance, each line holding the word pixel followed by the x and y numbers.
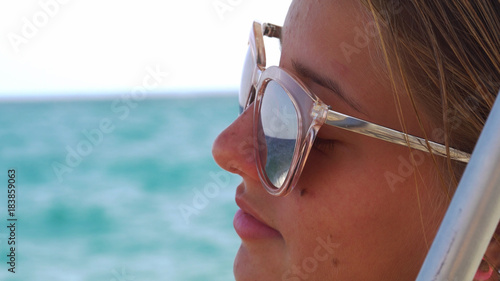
pixel 250 227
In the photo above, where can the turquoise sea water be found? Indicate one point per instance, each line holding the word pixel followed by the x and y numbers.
pixel 113 191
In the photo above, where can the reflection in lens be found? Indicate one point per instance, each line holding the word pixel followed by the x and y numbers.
pixel 246 79
pixel 279 123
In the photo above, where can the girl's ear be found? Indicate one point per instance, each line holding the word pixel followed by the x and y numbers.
pixel 491 263
pixel 484 272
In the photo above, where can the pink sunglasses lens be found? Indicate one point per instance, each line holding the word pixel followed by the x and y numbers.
pixel 277 133
pixel 246 87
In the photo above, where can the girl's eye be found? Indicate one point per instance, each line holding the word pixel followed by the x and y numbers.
pixel 324 145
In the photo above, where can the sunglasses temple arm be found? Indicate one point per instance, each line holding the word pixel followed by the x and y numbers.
pixel 271 30
pixel 356 125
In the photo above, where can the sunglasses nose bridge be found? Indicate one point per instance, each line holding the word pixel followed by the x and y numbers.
pixel 253 87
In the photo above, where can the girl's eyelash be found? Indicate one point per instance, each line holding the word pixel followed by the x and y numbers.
pixel 324 145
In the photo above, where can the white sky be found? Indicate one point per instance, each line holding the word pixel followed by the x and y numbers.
pixel 104 46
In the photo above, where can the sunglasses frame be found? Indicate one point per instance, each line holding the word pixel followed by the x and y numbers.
pixel 312 113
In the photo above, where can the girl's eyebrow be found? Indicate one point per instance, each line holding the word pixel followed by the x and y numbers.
pixel 327 83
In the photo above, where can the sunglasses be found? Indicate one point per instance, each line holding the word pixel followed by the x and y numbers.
pixel 287 118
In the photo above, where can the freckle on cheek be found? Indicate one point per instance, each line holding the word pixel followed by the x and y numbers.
pixel 303 192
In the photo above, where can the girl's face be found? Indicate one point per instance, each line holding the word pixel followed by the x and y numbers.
pixel 361 210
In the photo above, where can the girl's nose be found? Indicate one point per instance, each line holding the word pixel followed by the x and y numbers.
pixel 233 150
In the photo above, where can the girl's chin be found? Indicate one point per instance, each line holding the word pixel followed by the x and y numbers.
pixel 257 262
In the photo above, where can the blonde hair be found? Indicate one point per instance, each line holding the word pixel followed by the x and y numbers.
pixel 445 55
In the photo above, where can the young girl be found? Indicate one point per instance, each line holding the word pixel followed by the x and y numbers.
pixel 368 201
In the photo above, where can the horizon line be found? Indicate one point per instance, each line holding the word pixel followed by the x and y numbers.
pixel 109 95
